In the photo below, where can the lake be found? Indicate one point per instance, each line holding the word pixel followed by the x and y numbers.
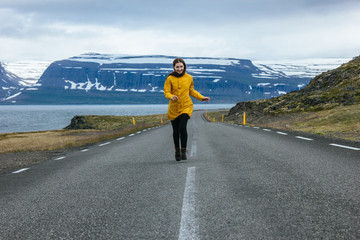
pixel 27 118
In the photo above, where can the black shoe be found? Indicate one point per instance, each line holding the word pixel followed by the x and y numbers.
pixel 177 154
pixel 183 154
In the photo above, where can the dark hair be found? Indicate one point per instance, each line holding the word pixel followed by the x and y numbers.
pixel 179 60
pixel 174 73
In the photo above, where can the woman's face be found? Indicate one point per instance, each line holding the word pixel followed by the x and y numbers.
pixel 179 67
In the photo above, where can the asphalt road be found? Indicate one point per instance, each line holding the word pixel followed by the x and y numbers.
pixel 238 183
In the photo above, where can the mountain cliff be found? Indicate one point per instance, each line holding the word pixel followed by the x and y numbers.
pixel 94 78
pixel 106 78
pixel 337 87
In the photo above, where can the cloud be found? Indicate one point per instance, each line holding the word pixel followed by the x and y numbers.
pixel 255 29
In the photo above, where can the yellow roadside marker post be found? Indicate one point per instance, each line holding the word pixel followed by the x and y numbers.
pixel 244 118
pixel 133 120
pixel 222 118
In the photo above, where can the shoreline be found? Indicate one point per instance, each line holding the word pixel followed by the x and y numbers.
pixel 31 118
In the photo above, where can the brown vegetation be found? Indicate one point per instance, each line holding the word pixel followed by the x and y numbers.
pixel 103 127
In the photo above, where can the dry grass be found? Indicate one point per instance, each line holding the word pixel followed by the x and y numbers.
pixel 340 122
pixel 214 116
pixel 108 127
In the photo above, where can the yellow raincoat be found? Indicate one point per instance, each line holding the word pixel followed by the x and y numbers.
pixel 181 87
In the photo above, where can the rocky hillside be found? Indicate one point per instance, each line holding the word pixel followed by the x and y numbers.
pixel 338 87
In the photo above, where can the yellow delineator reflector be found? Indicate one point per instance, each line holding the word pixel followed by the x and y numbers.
pixel 133 120
pixel 244 118
pixel 162 121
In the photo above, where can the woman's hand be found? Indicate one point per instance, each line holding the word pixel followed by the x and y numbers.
pixel 175 98
pixel 206 99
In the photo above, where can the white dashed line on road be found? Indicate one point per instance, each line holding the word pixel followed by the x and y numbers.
pixel 304 138
pixel 188 225
pixel 20 170
pixel 343 146
pixel 84 150
pixel 120 138
pixel 308 139
pixel 59 158
pixel 101 145
pixel 131 135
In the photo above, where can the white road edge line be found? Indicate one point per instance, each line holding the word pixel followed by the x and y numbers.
pixel 188 226
pixel 104 144
pixel 120 138
pixel 20 170
pixel 267 130
pixel 304 138
pixel 84 150
pixel 131 135
pixel 343 146
pixel 282 133
pixel 59 158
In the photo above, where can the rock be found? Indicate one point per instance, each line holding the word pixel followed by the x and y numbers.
pixel 79 122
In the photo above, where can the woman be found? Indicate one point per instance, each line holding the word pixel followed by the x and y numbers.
pixel 178 86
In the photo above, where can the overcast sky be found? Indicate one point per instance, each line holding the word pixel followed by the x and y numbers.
pixel 252 29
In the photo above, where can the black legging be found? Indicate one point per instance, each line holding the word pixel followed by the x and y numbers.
pixel 179 130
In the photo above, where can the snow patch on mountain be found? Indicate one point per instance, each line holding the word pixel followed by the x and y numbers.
pixel 12 96
pixel 29 71
pixel 160 59
pixel 302 68
pixel 86 85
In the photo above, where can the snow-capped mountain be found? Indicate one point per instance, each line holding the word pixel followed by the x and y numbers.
pixel 29 71
pixel 303 68
pixel 109 78
pixel 7 79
